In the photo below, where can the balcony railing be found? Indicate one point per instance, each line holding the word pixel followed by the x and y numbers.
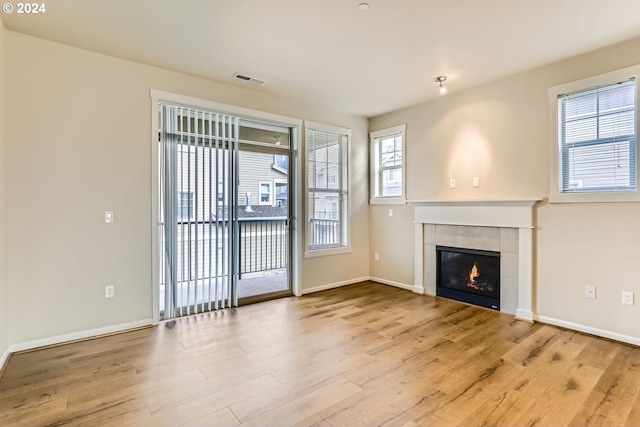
pixel 324 232
pixel 203 247
pixel 263 245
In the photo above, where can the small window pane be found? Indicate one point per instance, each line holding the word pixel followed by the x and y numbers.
pixel 392 182
pixel 387 144
pixel 581 130
pixel 265 192
pixel 185 206
pixel 220 191
pixel 617 124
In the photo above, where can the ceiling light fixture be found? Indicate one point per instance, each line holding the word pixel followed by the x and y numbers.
pixel 363 6
pixel 440 80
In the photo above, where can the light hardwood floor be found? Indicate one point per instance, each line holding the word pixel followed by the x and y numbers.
pixel 362 355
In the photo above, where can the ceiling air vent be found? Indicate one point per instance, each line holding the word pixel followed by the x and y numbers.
pixel 249 79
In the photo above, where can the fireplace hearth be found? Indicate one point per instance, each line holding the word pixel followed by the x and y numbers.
pixel 468 275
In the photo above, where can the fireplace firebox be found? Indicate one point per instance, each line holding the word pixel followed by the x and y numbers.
pixel 468 275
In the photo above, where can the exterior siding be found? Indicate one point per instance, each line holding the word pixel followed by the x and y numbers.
pixel 256 168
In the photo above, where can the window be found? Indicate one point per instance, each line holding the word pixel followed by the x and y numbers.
pixel 221 191
pixel 185 206
pixel 595 142
pixel 597 139
pixel 266 192
pixel 281 163
pixel 387 165
pixel 281 193
pixel 327 189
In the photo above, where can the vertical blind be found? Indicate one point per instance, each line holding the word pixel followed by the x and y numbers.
pixel 597 139
pixel 198 211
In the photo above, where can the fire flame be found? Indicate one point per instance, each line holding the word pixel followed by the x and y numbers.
pixel 473 273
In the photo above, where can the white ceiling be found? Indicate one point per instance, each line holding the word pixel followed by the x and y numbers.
pixel 329 52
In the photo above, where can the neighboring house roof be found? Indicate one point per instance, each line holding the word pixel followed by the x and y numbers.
pixel 257 212
pixel 263 211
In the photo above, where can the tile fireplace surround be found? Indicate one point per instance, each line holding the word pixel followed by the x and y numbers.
pixel 496 225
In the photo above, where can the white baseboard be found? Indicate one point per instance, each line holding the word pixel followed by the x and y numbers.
pixel 334 285
pixel 357 280
pixel 91 333
pixel 589 330
pixel 419 290
pixel 4 358
pixel 392 283
pixel 524 315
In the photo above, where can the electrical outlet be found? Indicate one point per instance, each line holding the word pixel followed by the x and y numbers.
pixel 452 183
pixel 376 256
pixel 109 291
pixel 390 212
pixel 476 181
pixel 627 297
pixel 590 291
pixel 108 217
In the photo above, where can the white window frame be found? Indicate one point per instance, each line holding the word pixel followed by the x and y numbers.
pixel 555 193
pixel 269 202
pixel 345 218
pixel 375 171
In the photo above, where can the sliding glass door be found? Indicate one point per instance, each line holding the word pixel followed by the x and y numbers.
pixel 223 212
pixel 263 223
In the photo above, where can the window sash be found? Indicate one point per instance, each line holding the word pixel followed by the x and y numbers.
pixel 390 180
pixel 597 139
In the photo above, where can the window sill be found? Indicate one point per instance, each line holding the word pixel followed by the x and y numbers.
pixel 312 253
pixel 388 201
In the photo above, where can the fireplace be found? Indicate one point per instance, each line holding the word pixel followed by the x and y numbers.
pixel 505 226
pixel 468 275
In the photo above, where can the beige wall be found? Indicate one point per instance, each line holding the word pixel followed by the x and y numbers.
pixel 392 238
pixel 79 143
pixel 4 341
pixel 500 133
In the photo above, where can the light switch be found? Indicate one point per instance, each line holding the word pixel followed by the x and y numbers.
pixel 476 181
pixel 108 217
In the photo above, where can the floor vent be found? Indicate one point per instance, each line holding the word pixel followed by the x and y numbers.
pixel 249 79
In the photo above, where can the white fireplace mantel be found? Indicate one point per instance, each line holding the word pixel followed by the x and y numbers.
pixel 482 213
